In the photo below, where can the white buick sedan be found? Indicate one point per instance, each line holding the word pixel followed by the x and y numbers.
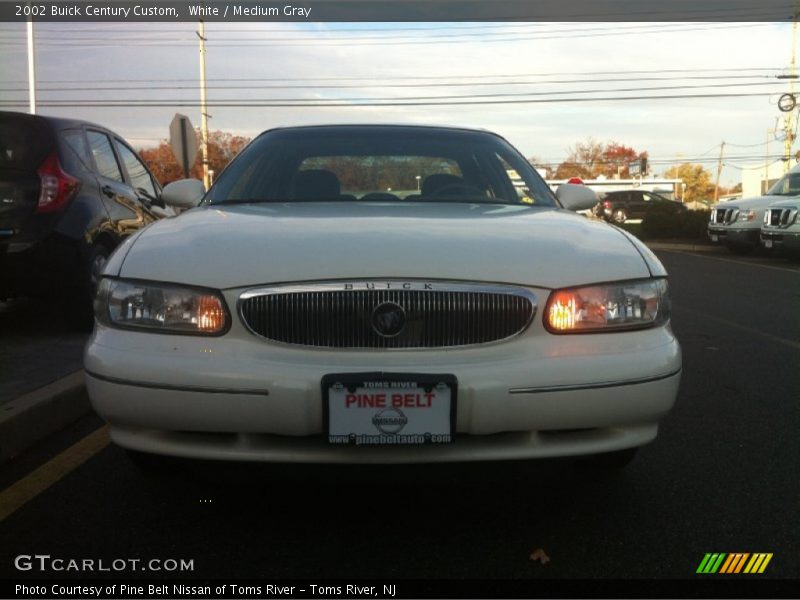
pixel 382 294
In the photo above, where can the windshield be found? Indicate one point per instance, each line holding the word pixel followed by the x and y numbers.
pixel 380 164
pixel 788 185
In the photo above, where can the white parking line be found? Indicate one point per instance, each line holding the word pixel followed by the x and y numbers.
pixel 732 260
pixel 751 330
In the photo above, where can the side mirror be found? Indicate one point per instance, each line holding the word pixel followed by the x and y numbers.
pixel 576 197
pixel 184 193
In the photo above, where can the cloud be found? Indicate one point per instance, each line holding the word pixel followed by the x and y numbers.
pixel 326 54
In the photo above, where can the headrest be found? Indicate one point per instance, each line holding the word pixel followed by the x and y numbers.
pixel 315 183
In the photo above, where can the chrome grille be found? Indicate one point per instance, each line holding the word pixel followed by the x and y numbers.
pixel 340 315
pixel 726 215
pixel 781 217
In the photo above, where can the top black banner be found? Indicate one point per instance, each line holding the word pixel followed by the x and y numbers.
pixel 400 11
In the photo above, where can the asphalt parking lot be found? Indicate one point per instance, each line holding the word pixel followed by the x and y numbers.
pixel 721 477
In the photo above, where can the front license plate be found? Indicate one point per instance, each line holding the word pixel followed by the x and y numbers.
pixel 714 238
pixel 768 243
pixel 389 408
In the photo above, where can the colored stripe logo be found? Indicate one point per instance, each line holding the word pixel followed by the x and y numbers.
pixel 733 563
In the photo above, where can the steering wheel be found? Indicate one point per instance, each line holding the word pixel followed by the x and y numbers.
pixel 459 189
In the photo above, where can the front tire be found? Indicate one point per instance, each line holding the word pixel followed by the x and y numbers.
pixel 619 215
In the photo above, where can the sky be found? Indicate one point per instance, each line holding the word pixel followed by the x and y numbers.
pixel 502 67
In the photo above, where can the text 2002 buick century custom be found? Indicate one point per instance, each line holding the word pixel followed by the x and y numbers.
pixel 371 294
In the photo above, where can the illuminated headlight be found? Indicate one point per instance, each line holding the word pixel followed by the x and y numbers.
pixel 608 307
pixel 747 215
pixel 160 307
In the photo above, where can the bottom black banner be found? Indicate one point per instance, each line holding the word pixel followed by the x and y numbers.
pixel 527 588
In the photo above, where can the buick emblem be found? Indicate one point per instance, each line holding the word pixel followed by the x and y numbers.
pixel 388 319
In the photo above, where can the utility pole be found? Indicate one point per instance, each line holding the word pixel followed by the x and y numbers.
pixel 203 106
pixel 719 172
pixel 790 119
pixel 31 69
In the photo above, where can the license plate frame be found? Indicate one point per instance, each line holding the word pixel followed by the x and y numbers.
pixel 336 422
pixel 768 243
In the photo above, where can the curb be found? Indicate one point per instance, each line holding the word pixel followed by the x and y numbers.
pixel 37 414
pixel 683 247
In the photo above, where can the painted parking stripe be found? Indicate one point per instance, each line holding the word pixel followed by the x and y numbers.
pixel 33 484
pixel 745 328
pixel 734 261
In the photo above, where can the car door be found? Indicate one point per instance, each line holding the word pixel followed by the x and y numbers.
pixel 637 205
pixel 664 204
pixel 144 184
pixel 125 209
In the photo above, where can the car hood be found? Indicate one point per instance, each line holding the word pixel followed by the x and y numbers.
pixel 249 244
pixel 755 202
pixel 789 202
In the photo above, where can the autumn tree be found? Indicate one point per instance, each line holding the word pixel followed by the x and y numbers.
pixel 222 148
pixel 590 158
pixel 616 158
pixel 698 181
pixel 582 160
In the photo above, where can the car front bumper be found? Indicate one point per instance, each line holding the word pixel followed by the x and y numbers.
pixel 739 237
pixel 781 240
pixel 239 398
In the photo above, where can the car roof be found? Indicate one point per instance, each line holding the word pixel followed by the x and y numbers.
pixel 378 126
pixel 56 122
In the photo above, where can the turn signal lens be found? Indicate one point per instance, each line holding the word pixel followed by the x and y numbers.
pixel 160 308
pixel 210 314
pixel 608 307
pixel 562 311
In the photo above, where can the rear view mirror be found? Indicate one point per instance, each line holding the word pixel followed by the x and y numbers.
pixel 576 197
pixel 184 193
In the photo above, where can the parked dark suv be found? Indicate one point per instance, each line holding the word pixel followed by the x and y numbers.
pixel 633 204
pixel 70 192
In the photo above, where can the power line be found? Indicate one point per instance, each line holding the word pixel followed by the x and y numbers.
pixel 416 77
pixel 147 101
pixel 638 29
pixel 250 86
pixel 746 145
pixel 359 42
pixel 393 103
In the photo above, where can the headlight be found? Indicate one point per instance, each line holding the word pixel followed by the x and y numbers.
pixel 608 307
pixel 160 307
pixel 747 215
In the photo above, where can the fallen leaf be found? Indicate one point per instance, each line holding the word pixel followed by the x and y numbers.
pixel 540 555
